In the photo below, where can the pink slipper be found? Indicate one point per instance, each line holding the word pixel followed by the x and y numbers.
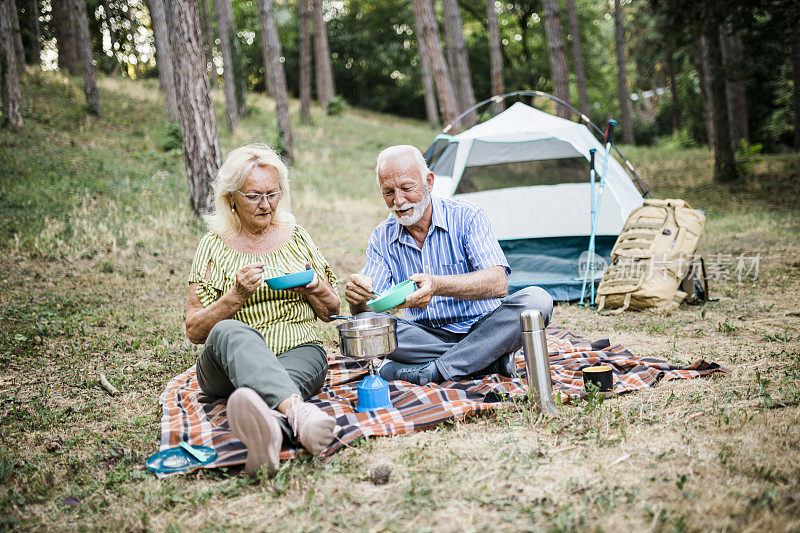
pixel 255 425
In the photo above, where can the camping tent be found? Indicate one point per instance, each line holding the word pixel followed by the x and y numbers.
pixel 529 171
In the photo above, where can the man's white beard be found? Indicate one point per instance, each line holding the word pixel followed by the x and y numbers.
pixel 418 209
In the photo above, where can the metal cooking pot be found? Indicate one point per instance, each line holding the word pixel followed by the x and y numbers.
pixel 364 338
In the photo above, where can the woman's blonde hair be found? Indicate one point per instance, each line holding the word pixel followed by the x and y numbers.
pixel 231 176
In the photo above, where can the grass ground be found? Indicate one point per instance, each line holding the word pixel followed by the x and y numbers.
pixel 95 242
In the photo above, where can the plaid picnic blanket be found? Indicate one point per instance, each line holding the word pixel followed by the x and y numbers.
pixel 191 416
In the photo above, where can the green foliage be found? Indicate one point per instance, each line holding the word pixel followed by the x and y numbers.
pixel 778 126
pixel 746 156
pixel 594 398
pixel 645 133
pixel 678 140
pixel 762 389
pixel 172 137
pixel 337 105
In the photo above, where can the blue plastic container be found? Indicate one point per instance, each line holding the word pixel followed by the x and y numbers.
pixel 295 279
pixel 373 394
pixel 392 297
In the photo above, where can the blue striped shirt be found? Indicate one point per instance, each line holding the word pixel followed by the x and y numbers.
pixel 460 240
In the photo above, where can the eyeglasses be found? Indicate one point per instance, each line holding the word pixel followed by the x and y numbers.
pixel 255 198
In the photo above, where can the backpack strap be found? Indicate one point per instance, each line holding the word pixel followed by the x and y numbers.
pixel 620 310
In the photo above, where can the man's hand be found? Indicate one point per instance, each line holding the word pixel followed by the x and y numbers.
pixel 426 289
pixel 358 290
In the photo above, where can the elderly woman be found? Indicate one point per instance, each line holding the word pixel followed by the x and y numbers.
pixel 261 350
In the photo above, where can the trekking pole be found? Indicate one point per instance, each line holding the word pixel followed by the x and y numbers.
pixel 608 136
pixel 591 217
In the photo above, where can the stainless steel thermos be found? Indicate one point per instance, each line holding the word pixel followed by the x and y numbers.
pixel 537 362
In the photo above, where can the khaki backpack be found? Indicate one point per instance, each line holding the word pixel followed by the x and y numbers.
pixel 651 257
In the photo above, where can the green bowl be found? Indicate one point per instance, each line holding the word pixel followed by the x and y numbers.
pixel 392 297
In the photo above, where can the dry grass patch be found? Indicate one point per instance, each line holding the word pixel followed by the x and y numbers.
pixel 99 286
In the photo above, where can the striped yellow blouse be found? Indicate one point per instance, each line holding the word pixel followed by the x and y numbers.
pixel 284 318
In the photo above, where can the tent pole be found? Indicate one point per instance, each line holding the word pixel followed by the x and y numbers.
pixel 590 265
pixel 609 135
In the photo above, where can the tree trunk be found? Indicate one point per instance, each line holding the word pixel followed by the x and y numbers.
pixel 208 41
pixel 724 162
pixel 65 36
pixel 427 76
pixel 19 50
pixel 238 75
pixel 224 13
pixel 670 62
pixel 271 49
pixel 625 107
pixel 796 75
pixel 239 83
pixel 305 63
pixel 701 66
pixel 495 56
pixel 326 89
pixel 35 57
pixel 454 32
pixel 201 151
pixel 731 48
pixel 430 32
pixel 80 23
pixel 12 107
pixel 577 58
pixel 558 56
pixel 452 68
pixel 166 73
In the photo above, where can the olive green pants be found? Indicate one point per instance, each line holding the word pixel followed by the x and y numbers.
pixel 236 355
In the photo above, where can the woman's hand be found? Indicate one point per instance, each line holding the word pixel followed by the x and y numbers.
pixel 320 295
pixel 312 287
pixel 248 279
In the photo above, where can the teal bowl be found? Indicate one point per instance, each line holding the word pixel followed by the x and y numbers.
pixel 287 281
pixel 392 297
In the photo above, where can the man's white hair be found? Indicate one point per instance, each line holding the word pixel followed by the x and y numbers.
pixel 232 175
pixel 401 150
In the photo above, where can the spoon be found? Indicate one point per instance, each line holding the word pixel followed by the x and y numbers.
pixel 275 269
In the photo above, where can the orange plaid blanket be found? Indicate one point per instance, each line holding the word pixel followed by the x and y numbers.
pixel 191 416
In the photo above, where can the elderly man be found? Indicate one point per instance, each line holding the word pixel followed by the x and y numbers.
pixel 455 324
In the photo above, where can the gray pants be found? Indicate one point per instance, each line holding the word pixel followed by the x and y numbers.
pixel 236 355
pixel 461 354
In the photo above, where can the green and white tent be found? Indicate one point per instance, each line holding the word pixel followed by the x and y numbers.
pixel 529 170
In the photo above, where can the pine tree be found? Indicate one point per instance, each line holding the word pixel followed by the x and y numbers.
pixel 626 109
pixel 305 62
pixel 227 35
pixel 558 55
pixel 166 72
pixel 326 88
pixel 429 31
pixel 12 108
pixel 80 25
pixel 201 151
pixel 276 76
pixel 495 56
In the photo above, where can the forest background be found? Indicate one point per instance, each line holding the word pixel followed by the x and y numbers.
pixel 375 58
